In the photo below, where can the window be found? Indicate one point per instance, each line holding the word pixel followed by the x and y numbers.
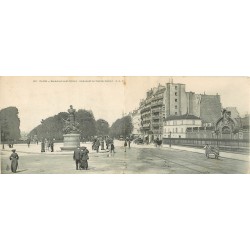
pixel 176 129
pixel 175 113
pixel 181 130
pixel 175 122
pixel 175 87
pixel 175 106
pixel 175 100
pixel 193 122
pixel 175 93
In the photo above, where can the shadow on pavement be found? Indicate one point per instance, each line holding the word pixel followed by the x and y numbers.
pixel 19 171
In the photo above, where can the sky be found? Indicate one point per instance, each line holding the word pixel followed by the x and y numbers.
pixel 38 98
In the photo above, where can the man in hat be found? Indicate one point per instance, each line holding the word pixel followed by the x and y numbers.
pixel 77 156
pixel 14 160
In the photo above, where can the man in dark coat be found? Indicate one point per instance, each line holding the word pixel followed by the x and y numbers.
pixel 52 146
pixel 125 145
pixel 97 145
pixel 112 148
pixel 77 156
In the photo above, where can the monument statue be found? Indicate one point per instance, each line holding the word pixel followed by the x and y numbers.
pixel 70 125
pixel 71 137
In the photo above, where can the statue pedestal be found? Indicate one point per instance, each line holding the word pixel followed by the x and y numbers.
pixel 71 142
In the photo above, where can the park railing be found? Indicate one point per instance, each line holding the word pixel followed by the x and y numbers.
pixel 240 145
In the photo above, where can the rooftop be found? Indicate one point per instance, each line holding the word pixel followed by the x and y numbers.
pixel 182 117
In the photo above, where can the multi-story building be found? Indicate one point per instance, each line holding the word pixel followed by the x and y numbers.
pixel 210 109
pixel 153 113
pixel 172 99
pixel 136 121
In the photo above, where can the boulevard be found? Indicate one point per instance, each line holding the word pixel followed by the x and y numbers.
pixel 139 159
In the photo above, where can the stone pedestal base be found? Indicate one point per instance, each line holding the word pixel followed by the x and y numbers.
pixel 71 142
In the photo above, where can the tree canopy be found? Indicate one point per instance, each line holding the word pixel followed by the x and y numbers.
pixel 121 127
pixel 102 127
pixel 52 127
pixel 10 124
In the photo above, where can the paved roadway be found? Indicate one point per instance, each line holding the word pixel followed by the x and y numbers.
pixel 143 160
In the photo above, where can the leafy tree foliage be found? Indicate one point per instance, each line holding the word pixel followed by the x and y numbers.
pixel 10 124
pixel 121 127
pixel 102 127
pixel 87 123
pixel 52 127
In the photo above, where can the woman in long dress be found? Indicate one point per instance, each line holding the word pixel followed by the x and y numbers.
pixel 84 158
pixel 14 161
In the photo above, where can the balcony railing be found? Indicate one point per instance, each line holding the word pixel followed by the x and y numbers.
pixel 156 104
pixel 145 109
pixel 156 110
pixel 157 97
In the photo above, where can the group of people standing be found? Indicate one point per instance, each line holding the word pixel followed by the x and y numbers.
pixel 97 142
pixel 47 145
pixel 81 157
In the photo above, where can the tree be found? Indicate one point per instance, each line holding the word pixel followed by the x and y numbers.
pixel 50 128
pixel 122 126
pixel 4 131
pixel 10 123
pixel 87 123
pixel 102 127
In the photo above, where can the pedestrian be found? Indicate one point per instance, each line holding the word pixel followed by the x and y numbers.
pixel 28 142
pixel 52 146
pixel 77 156
pixel 107 143
pixel 125 145
pixel 112 148
pixel 42 146
pixel 93 145
pixel 128 143
pixel 84 158
pixel 14 160
pixel 47 144
pixel 97 145
pixel 207 149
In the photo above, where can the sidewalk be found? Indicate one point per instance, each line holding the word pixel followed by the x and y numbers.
pixel 229 155
pixel 36 149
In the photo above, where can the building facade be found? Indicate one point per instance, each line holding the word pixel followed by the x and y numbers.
pixel 136 122
pixel 176 126
pixel 172 99
pixel 153 113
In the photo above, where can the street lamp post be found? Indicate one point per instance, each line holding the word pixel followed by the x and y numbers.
pixel 217 134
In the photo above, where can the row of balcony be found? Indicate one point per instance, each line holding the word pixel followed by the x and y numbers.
pixel 156 110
